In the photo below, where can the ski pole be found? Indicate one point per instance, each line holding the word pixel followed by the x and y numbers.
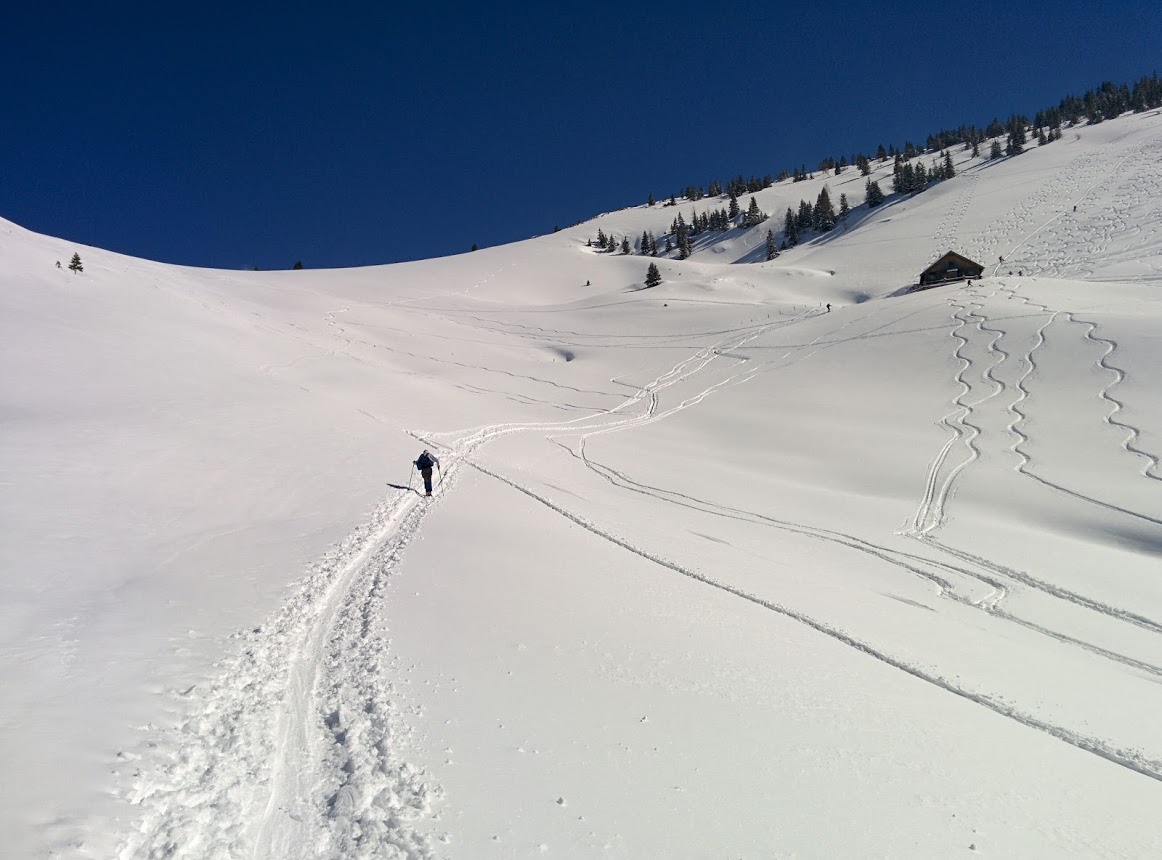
pixel 411 475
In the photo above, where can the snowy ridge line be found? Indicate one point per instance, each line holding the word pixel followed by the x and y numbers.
pixel 1125 758
pixel 220 775
pixel 1133 433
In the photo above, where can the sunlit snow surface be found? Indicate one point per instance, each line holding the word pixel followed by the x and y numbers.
pixel 710 571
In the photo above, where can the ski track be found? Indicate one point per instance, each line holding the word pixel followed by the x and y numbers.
pixel 913 564
pixel 1118 234
pixel 1125 758
pixel 295 747
pixel 1025 461
pixel 227 769
pixel 1133 434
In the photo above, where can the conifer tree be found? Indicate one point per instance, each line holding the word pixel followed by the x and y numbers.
pixel 772 249
pixel 754 215
pixel 625 245
pixel 874 195
pixel 806 216
pixel 645 243
pixel 474 247
pixel 844 209
pixel 949 168
pixel 650 201
pixel 653 276
pixel 75 264
pixel 995 151
pixel 682 237
pixel 298 265
pixel 790 229
pixel 823 215
pixel 733 211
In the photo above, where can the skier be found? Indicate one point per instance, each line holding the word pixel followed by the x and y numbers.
pixel 829 307
pixel 424 463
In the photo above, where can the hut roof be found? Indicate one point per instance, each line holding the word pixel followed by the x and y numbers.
pixel 959 260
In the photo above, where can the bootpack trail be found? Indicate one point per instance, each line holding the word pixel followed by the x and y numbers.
pixel 297 748
pixel 294 749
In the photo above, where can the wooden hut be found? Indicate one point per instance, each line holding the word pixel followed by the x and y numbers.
pixel 951 267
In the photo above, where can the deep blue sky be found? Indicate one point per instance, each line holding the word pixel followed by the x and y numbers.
pixel 345 134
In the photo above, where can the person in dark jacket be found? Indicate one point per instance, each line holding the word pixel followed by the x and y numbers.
pixel 424 463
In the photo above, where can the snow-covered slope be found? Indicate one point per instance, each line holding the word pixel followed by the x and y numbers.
pixel 710 571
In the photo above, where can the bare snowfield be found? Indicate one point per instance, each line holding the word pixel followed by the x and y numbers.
pixel 710 571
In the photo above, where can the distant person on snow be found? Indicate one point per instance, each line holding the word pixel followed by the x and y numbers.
pixel 829 307
pixel 424 463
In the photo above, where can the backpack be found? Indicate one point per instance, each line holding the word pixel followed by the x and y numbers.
pixel 424 461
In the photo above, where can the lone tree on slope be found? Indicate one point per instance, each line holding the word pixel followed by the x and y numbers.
pixel 653 276
pixel 75 265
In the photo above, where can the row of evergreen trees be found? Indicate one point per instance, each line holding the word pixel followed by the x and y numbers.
pixel 682 232
pixel 821 218
pixel 1107 101
pixel 907 177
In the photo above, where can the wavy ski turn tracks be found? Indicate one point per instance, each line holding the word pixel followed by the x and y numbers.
pixel 294 750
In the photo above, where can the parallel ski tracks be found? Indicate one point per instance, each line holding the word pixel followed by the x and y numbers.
pixel 943 575
pixel 1129 759
pixel 295 749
